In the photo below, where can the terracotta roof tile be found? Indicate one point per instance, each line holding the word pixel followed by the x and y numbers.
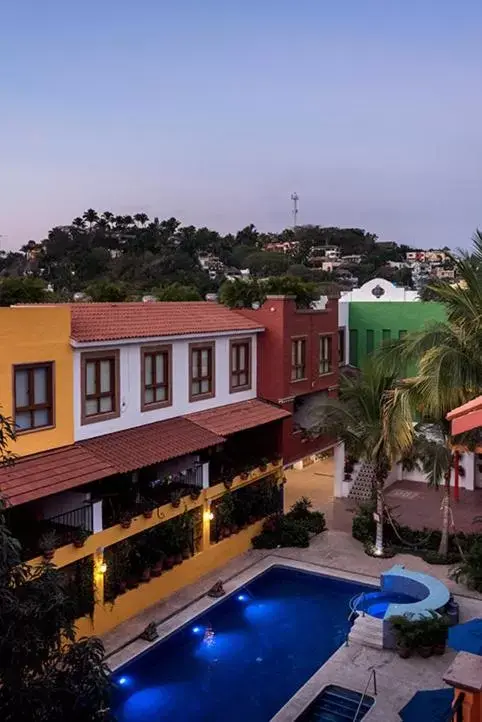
pixel 39 475
pixel 112 321
pixel 237 417
pixel 150 444
pixel 466 417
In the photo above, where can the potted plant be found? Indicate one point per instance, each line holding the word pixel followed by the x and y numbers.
pixel 424 636
pixel 176 498
pixel 125 519
pixel 276 458
pixel 195 493
pixel 403 629
pixel 158 566
pixel 169 561
pixel 47 544
pixel 244 475
pixel 145 575
pixel 186 553
pixel 263 464
pixel 439 626
pixel 227 480
pixel 79 537
pixel 121 586
pixel 147 507
pixel 132 582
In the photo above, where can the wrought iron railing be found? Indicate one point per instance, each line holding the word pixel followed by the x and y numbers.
pixel 80 518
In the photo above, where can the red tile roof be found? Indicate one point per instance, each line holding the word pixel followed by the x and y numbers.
pixel 150 444
pixel 33 477
pixel 238 417
pixel 112 321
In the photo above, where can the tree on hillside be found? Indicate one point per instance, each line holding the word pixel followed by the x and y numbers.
pixel 106 291
pixel 22 290
pixel 177 292
pixel 45 676
pixel 266 263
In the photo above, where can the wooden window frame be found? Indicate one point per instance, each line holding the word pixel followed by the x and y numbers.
pixel 236 342
pixel 295 379
pixel 203 345
pixel 165 349
pixel 341 346
pixel 85 357
pixel 329 360
pixel 30 367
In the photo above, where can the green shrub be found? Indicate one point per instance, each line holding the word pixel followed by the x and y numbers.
pixel 363 526
pixel 313 521
pixel 469 570
pixel 280 531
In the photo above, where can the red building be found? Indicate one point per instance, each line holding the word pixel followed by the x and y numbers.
pixel 298 359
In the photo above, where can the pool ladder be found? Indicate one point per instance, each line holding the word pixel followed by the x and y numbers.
pixel 354 611
pixel 375 692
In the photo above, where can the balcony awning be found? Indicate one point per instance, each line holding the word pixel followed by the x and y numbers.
pixel 226 420
pixel 466 417
pixel 40 475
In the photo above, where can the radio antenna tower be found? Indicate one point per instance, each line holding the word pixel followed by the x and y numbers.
pixel 295 198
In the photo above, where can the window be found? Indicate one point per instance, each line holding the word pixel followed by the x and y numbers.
pixel 33 390
pixel 240 365
pixel 156 385
pixel 353 346
pixel 386 335
pixel 341 346
pixel 298 359
pixel 100 386
pixel 370 340
pixel 202 371
pixel 325 354
pixel 402 333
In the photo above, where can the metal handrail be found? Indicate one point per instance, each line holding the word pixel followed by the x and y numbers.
pixel 375 692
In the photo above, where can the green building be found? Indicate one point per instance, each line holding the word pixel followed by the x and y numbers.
pixel 381 318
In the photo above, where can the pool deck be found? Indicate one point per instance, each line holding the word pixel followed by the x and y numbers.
pixel 333 553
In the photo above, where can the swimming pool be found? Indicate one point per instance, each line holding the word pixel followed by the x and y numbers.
pixel 245 657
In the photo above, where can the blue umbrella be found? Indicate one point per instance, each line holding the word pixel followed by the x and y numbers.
pixel 466 637
pixel 429 704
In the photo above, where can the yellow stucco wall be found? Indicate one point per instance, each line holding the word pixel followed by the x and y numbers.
pixel 31 335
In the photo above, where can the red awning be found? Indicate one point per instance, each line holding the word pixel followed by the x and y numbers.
pixel 33 477
pixel 466 417
pixel 226 420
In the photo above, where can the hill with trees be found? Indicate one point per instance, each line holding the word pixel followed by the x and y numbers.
pixel 113 258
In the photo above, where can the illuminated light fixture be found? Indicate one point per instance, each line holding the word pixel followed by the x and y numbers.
pixel 102 568
pixel 208 516
pixel 242 597
pixel 123 681
pixel 197 630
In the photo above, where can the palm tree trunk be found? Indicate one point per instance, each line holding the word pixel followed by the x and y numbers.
pixel 443 549
pixel 380 482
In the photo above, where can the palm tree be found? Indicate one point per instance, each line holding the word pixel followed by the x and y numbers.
pixel 91 217
pixel 78 222
pixel 108 217
pixel 373 430
pixel 141 219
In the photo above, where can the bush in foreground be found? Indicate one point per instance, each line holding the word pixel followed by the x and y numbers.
pixel 292 529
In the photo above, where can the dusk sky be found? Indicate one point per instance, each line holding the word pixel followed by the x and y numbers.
pixel 215 111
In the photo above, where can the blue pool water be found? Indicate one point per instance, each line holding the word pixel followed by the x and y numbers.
pixel 245 657
pixel 376 603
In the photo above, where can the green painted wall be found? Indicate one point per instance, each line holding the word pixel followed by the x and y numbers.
pixel 371 322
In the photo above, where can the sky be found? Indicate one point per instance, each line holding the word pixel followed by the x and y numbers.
pixel 216 111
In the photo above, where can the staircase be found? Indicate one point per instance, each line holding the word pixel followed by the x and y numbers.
pixel 337 704
pixel 368 631
pixel 362 487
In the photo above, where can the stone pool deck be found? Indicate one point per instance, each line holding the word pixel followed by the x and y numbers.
pixel 334 552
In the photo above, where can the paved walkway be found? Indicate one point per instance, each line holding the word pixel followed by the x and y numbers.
pixel 413 503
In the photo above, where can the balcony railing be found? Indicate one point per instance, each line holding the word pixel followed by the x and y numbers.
pixel 81 518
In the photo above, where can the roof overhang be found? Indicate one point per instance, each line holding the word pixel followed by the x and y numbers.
pixel 466 417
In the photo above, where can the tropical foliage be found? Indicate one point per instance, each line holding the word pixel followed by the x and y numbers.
pixel 372 430
pixel 45 675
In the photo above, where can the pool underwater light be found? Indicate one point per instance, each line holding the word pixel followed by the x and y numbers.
pixel 123 681
pixel 242 597
pixel 197 630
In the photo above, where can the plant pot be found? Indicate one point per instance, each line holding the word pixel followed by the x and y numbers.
pixel 244 476
pixel 125 524
pixel 78 543
pixel 147 514
pixel 178 558
pixel 132 583
pixel 48 554
pixel 146 575
pixel 263 467
pixel 228 483
pixel 425 651
pixel 186 553
pixel 234 529
pixel 156 570
pixel 439 649
pixel 195 495
pixel 122 587
pixel 169 562
pixel 403 652
pixel 176 503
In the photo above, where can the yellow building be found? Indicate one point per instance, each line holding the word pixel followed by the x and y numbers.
pixel 36 371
